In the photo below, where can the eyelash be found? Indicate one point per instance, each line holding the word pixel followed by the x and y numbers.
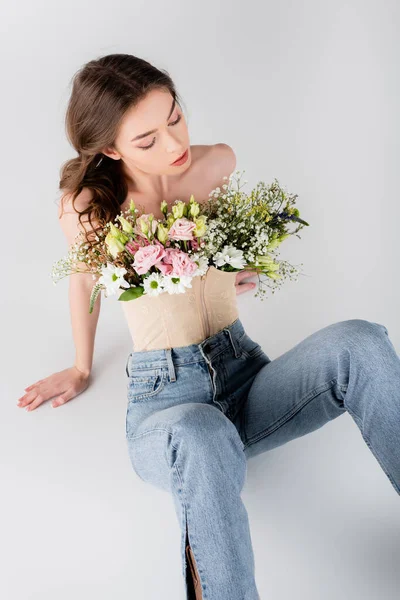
pixel 153 142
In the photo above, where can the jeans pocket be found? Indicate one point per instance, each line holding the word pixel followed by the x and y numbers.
pixel 145 383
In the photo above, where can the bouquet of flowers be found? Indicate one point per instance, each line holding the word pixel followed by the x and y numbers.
pixel 231 230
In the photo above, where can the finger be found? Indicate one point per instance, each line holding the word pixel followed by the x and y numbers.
pixel 40 398
pixel 35 403
pixel 63 398
pixel 44 392
pixel 33 385
pixel 27 398
pixel 244 287
pixel 244 274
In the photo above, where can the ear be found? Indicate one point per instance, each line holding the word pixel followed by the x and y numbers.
pixel 111 153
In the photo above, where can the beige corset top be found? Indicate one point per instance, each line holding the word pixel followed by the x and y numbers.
pixel 170 320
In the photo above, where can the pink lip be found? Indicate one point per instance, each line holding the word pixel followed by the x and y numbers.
pixel 182 158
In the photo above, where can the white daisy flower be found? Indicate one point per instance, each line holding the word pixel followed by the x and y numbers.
pixel 177 284
pixel 203 263
pixel 154 284
pixel 229 255
pixel 112 278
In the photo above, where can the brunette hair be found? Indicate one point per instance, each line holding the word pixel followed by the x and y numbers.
pixel 102 91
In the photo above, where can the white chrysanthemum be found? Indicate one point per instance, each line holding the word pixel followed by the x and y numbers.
pixel 229 255
pixel 112 278
pixel 177 284
pixel 203 263
pixel 153 284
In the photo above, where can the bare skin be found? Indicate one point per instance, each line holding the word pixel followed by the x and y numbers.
pixel 151 178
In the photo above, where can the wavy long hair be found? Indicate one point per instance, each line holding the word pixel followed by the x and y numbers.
pixel 102 91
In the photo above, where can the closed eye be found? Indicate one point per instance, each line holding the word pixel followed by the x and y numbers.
pixel 154 139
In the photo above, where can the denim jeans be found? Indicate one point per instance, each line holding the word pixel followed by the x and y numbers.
pixel 196 413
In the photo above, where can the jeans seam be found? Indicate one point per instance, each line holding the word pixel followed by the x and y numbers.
pixel 254 354
pixel 137 435
pixel 310 396
pixel 186 511
pixel 383 466
pixel 359 422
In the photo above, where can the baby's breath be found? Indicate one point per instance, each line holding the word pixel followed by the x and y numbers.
pixel 254 223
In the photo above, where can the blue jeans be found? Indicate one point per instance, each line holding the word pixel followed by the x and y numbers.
pixel 196 413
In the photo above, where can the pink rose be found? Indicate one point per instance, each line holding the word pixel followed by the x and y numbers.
pixel 194 244
pixel 182 264
pixel 147 256
pixel 165 269
pixel 176 262
pixel 165 265
pixel 134 245
pixel 182 229
pixel 145 218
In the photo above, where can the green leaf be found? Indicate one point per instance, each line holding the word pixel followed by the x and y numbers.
pixel 93 296
pixel 299 220
pixel 132 293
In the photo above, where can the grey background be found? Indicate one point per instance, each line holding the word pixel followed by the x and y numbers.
pixel 307 92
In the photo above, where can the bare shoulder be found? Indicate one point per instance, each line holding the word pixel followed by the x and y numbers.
pixel 219 157
pixel 225 157
pixel 222 162
pixel 70 206
pixel 68 214
pixel 211 164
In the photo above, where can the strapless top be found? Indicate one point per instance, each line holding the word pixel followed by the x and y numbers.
pixel 171 320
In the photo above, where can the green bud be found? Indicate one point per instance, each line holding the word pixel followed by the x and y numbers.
pixel 114 244
pixel 162 233
pixel 170 220
pixel 143 226
pixel 200 229
pixel 194 208
pixel 118 234
pixel 273 244
pixel 264 260
pixel 273 267
pixel 283 237
pixel 178 209
pixel 126 226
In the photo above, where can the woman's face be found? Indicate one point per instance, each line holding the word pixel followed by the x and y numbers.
pixel 154 152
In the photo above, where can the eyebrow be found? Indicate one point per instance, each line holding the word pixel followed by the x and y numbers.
pixel 143 135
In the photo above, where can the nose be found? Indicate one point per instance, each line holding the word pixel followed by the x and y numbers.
pixel 174 145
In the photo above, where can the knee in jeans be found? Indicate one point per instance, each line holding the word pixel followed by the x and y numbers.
pixel 362 332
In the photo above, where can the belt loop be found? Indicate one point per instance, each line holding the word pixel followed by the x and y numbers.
pixel 171 368
pixel 235 349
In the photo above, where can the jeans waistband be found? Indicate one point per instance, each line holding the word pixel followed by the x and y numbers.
pixel 180 355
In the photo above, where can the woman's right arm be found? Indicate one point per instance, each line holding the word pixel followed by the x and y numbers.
pixel 70 382
pixel 83 323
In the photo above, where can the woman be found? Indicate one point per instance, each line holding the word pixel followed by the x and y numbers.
pixel 203 396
